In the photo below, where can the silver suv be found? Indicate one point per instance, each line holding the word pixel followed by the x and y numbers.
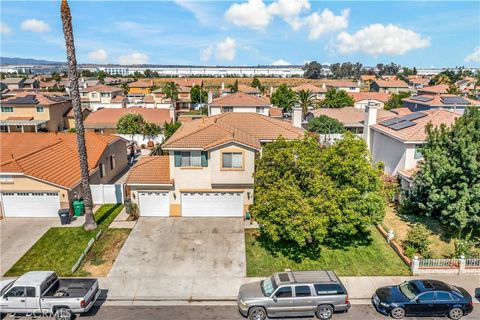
pixel 297 293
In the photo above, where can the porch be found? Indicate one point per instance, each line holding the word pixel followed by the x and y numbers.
pixel 21 124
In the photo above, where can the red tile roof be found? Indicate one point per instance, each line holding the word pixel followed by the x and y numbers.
pixel 379 96
pixel 309 86
pixel 108 117
pixel 101 88
pixel 343 84
pixel 150 170
pixel 240 99
pixel 440 88
pixel 275 112
pixel 141 84
pixel 391 83
pixel 349 116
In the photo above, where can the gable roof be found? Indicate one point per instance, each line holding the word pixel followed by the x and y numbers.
pixel 140 84
pixel 349 116
pixel 343 84
pixel 108 117
pixel 379 96
pixel 439 88
pixel 416 133
pixel 240 99
pixel 12 80
pixel 150 170
pixel 391 83
pixel 309 86
pixel 51 157
pixel 249 129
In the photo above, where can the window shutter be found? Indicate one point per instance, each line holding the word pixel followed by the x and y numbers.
pixel 178 158
pixel 204 158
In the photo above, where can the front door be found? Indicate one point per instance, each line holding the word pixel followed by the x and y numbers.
pixel 282 303
pixel 13 301
pixel 303 301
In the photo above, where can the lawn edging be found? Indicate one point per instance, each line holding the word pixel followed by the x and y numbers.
pixel 85 252
pixel 395 246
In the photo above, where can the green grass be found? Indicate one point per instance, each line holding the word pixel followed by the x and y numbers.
pixel 59 248
pixel 375 259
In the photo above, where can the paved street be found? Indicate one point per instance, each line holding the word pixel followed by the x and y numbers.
pixel 357 312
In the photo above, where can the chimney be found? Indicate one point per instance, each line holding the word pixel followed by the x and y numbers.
pixel 173 116
pixel 297 116
pixel 271 90
pixel 324 86
pixel 210 97
pixel 369 119
pixel 359 82
pixel 223 85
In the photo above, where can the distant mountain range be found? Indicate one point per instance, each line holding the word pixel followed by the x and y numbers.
pixel 17 61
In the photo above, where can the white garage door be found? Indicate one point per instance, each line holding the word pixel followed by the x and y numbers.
pixel 154 204
pixel 212 204
pixel 31 204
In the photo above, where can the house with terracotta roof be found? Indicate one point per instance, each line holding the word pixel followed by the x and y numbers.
pixel 319 92
pixel 24 111
pixel 40 172
pixel 433 90
pixel 390 86
pixel 239 102
pixel 362 99
pixel 439 101
pixel 396 140
pixel 418 82
pixel 209 168
pixel 241 88
pixel 14 83
pixel 140 86
pixel 183 103
pixel 348 86
pixel 102 96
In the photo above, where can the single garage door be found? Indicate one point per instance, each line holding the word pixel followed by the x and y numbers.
pixel 212 204
pixel 31 204
pixel 154 204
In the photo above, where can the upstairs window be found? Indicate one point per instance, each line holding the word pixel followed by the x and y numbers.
pixel 191 159
pixel 40 109
pixel 227 109
pixel 418 152
pixel 259 109
pixel 112 162
pixel 232 160
pixel 7 109
pixel 105 94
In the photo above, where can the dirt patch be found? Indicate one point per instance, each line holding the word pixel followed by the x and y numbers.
pixel 100 259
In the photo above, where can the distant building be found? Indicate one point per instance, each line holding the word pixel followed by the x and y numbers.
pixel 319 92
pixel 390 86
pixel 102 96
pixel 348 86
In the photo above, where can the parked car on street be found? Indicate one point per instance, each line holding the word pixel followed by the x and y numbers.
pixel 42 293
pixel 294 293
pixel 423 298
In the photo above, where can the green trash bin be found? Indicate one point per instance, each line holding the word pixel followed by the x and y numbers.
pixel 78 208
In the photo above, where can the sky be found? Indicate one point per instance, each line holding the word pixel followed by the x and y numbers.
pixel 253 32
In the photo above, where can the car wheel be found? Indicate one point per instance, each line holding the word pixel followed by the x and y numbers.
pixel 397 313
pixel 63 314
pixel 324 312
pixel 455 313
pixel 257 313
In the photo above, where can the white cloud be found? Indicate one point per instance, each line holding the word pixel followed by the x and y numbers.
pixel 35 25
pixel 4 29
pixel 280 62
pixel 99 55
pixel 203 11
pixel 133 58
pixel 226 50
pixel 290 10
pixel 474 56
pixel 206 53
pixel 377 39
pixel 326 21
pixel 253 14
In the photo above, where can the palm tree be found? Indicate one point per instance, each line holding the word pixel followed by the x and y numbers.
pixel 90 223
pixel 233 87
pixel 442 79
pixel 171 90
pixel 306 100
pixel 125 88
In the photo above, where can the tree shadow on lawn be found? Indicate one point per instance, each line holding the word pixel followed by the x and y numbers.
pixel 103 218
pixel 294 252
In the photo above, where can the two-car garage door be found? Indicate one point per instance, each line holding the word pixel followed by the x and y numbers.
pixel 30 204
pixel 212 204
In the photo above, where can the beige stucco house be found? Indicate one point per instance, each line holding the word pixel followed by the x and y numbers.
pixel 239 102
pixel 209 169
pixel 102 96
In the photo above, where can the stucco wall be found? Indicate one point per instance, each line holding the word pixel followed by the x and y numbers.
pixel 388 150
pixel 119 149
pixel 217 110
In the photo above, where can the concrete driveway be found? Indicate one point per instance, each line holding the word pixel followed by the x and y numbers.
pixel 180 258
pixel 17 235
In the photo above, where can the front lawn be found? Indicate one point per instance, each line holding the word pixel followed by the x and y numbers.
pixel 375 259
pixel 59 248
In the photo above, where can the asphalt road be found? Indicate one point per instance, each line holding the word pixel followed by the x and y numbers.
pixel 357 312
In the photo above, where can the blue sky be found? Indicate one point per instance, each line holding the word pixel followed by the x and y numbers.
pixel 420 33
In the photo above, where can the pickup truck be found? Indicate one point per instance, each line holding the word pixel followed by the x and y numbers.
pixel 42 293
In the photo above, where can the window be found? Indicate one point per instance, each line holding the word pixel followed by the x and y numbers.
pixel 259 109
pixel 30 292
pixel 443 296
pixel 418 152
pixel 16 292
pixel 94 95
pixel 6 179
pixel 40 109
pixel 112 162
pixel 302 291
pixel 85 94
pixel 284 292
pixel 227 109
pixel 102 170
pixel 3 128
pixel 7 109
pixel 104 95
pixel 191 159
pixel 232 160
pixel 426 296
pixel 328 289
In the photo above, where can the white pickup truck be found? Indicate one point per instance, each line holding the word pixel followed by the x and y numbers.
pixel 40 293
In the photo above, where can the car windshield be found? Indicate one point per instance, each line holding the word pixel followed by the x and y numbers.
pixel 8 286
pixel 268 286
pixel 409 290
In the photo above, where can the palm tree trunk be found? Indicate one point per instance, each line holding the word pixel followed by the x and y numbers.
pixel 90 223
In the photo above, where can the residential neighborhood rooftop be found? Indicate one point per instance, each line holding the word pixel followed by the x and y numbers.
pixel 108 117
pixel 34 98
pixel 391 83
pixel 349 116
pixel 441 100
pixel 150 170
pixel 101 88
pixel 309 86
pixel 379 96
pixel 240 99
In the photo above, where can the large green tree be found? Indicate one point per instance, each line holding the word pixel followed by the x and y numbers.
pixel 170 128
pixel 131 123
pixel 447 184
pixel 312 70
pixel 395 100
pixel 336 98
pixel 306 100
pixel 325 125
pixel 283 97
pixel 198 95
pixel 307 196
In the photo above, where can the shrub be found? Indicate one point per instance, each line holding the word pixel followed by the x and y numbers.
pixel 409 251
pixel 132 210
pixel 418 240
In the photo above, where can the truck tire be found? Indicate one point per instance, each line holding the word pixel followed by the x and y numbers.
pixel 257 313
pixel 324 312
pixel 63 314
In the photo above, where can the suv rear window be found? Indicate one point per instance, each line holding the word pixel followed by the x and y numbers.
pixel 328 289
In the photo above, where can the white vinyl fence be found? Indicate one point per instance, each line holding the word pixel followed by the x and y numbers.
pixel 107 193
pixel 457 266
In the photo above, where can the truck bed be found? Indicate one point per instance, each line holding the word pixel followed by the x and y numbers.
pixel 70 287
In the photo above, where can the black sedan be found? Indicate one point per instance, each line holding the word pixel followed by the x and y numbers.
pixel 423 298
